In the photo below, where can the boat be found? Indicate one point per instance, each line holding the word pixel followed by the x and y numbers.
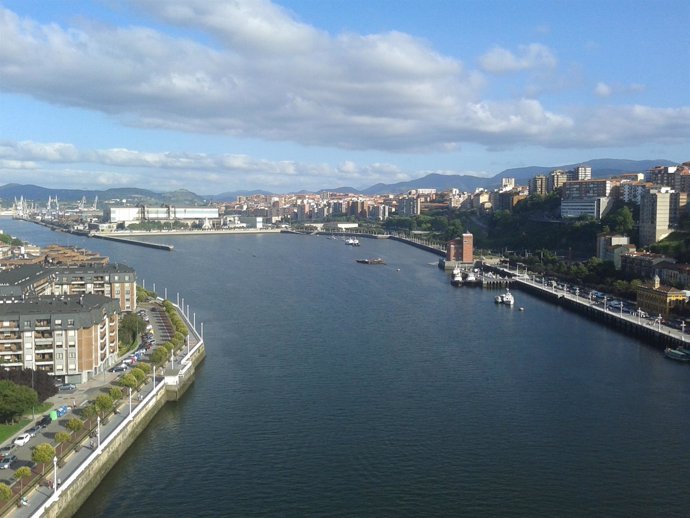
pixel 352 241
pixel 376 260
pixel 470 279
pixel 506 298
pixel 680 355
pixel 456 279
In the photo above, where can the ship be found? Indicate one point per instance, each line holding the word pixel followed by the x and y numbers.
pixel 352 241
pixel 456 279
pixel 376 260
pixel 506 298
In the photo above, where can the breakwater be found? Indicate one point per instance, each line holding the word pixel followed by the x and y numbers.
pixel 130 241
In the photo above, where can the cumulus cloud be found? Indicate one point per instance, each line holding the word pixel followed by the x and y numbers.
pixel 250 68
pixel 206 173
pixel 500 61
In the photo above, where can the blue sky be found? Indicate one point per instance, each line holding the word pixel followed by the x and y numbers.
pixel 217 96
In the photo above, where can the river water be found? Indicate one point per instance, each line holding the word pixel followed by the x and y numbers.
pixel 333 388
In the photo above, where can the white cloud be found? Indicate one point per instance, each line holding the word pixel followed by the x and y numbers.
pixel 252 69
pixel 602 90
pixel 607 90
pixel 500 61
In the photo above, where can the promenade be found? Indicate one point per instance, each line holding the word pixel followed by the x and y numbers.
pixel 87 461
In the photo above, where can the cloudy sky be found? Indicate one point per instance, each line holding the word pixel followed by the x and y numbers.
pixel 224 95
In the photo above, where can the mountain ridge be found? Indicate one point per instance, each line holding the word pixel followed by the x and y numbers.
pixel 601 167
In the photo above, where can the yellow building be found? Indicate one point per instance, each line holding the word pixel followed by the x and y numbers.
pixel 656 299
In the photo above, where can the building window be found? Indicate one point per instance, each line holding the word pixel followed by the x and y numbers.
pixel 59 356
pixel 70 322
pixel 72 354
pixel 58 322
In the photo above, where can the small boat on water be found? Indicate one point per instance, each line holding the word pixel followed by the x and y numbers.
pixel 376 260
pixel 456 279
pixel 470 279
pixel 680 355
pixel 506 298
pixel 352 241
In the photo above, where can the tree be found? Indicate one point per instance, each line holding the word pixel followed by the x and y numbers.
pixel 145 367
pixel 139 374
pixel 75 425
pixel 89 411
pixel 61 437
pixel 44 454
pixel 115 393
pixel 40 381
pixel 21 474
pixel 5 491
pixel 15 400
pixel 159 355
pixel 128 380
pixel 104 403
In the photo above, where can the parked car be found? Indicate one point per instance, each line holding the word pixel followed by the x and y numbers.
pixel 22 439
pixel 118 368
pixel 33 431
pixel 67 387
pixel 6 450
pixel 45 421
pixel 7 461
pixel 62 410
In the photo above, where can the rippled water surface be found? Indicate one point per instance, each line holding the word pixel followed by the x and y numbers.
pixel 338 389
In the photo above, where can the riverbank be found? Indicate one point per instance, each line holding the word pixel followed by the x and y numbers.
pixel 85 466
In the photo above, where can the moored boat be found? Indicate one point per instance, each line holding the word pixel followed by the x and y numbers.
pixel 352 241
pixel 506 298
pixel 677 354
pixel 456 279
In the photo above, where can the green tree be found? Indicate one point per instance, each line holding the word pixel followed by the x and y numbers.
pixel 115 393
pixel 89 411
pixel 44 454
pixel 145 367
pixel 104 404
pixel 61 437
pixel 128 380
pixel 75 425
pixel 129 328
pixel 5 491
pixel 15 400
pixel 159 355
pixel 22 473
pixel 139 374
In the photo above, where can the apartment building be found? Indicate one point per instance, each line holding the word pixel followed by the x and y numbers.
pixel 72 338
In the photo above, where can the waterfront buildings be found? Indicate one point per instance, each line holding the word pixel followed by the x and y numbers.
pixel 461 250
pixel 656 299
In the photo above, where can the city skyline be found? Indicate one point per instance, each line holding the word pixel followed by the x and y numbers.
pixel 291 95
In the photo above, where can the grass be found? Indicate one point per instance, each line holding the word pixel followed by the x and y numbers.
pixel 8 430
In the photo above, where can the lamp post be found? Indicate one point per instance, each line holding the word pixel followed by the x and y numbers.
pixel 621 308
pixel 577 291
pixel 659 322
pixel 605 306
pixel 682 330
pixel 130 402
pixel 98 431
pixel 55 484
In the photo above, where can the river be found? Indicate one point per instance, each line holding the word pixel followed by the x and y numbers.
pixel 333 388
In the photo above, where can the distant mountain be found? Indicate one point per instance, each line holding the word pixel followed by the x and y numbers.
pixel 35 193
pixel 601 168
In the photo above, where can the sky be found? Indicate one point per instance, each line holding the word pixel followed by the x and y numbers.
pixel 225 95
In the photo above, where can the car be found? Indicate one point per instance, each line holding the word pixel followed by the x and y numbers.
pixel 33 431
pixel 67 387
pixel 7 461
pixel 45 421
pixel 118 368
pixel 22 439
pixel 6 450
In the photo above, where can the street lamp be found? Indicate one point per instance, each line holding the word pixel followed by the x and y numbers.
pixel 682 330
pixel 55 484
pixel 577 291
pixel 605 306
pixel 98 431
pixel 659 322
pixel 130 402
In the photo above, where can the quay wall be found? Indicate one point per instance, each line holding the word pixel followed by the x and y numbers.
pixel 641 329
pixel 421 246
pixel 79 486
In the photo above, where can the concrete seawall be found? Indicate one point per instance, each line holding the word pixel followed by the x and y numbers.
pixel 79 485
pixel 130 241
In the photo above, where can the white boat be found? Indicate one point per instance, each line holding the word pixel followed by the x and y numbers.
pixel 352 241
pixel 506 298
pixel 456 279
pixel 470 279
